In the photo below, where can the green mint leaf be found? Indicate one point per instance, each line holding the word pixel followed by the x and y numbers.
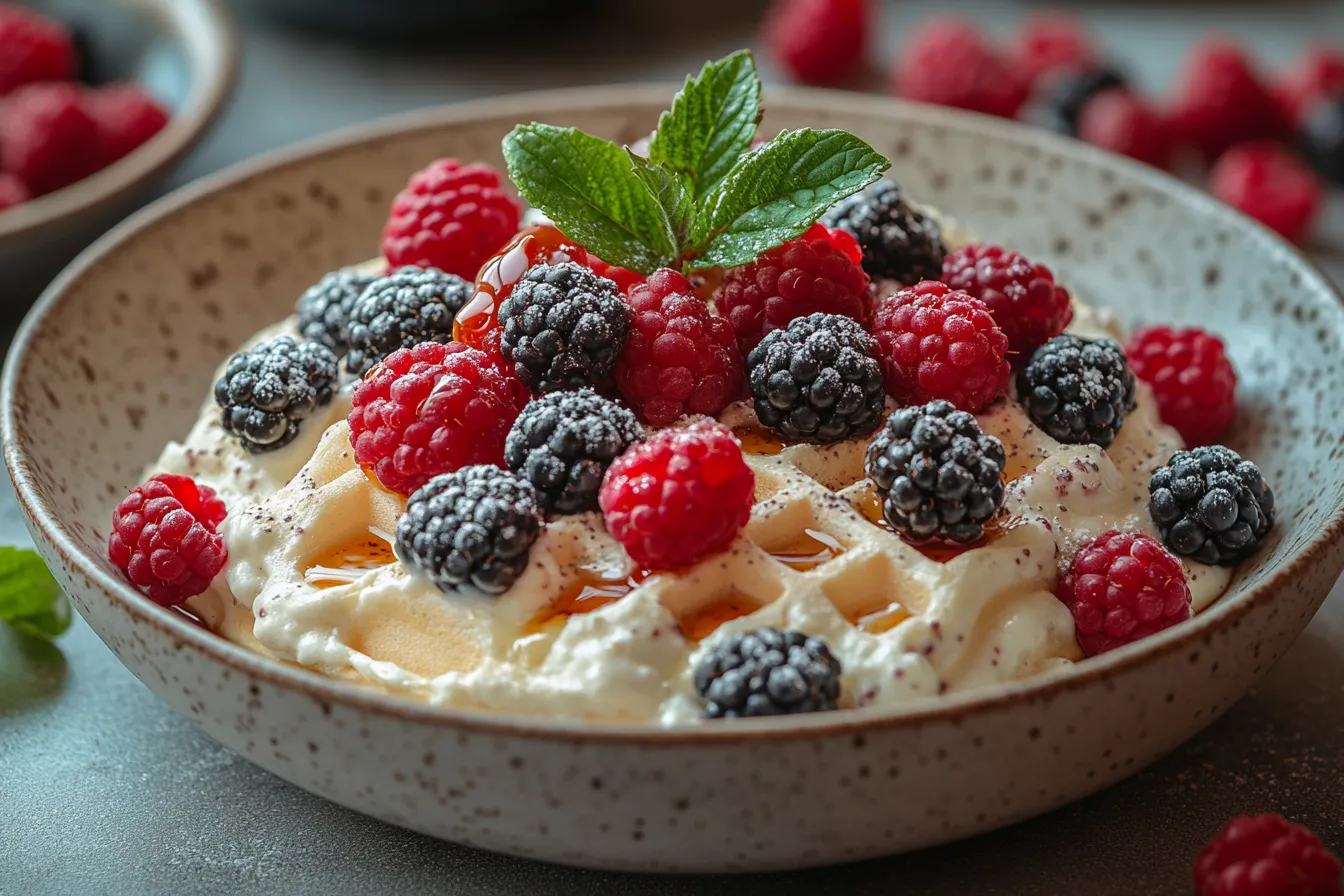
pixel 30 599
pixel 777 192
pixel 672 191
pixel 711 122
pixel 587 186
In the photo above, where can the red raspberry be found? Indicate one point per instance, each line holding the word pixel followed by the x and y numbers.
pixel 430 409
pixel 1318 73
pixel 1049 42
pixel 948 62
pixel 1271 184
pixel 816 272
pixel 12 191
pixel 818 41
pixel 938 342
pixel 678 359
pixel 450 216
pixel 1027 303
pixel 1121 121
pixel 47 136
pixel 126 117
pixel 165 538
pixel 1193 382
pixel 32 48
pixel 1222 102
pixel 1265 855
pixel 1120 587
pixel 680 496
pixel 622 277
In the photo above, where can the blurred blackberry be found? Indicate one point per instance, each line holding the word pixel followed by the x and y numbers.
pixel 1064 95
pixel 409 306
pixel 268 390
pixel 324 308
pixel 1210 505
pixel 767 672
pixel 898 242
pixel 1323 137
pixel 1077 390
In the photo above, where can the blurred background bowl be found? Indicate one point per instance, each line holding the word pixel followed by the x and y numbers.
pixel 401 19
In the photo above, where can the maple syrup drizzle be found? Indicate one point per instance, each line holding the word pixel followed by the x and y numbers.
pixel 811 549
pixel 343 564
pixel 939 551
pixel 495 281
pixel 756 439
pixel 701 623
pixel 589 591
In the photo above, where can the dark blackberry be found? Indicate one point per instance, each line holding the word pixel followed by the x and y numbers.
pixel 1077 390
pixel 1323 137
pixel 1065 94
pixel 563 327
pixel 267 390
pixel 324 309
pixel 470 530
pixel 767 672
pixel 939 474
pixel 563 443
pixel 1210 505
pixel 817 379
pixel 409 306
pixel 898 242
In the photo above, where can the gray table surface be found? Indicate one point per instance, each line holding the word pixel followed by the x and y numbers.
pixel 103 789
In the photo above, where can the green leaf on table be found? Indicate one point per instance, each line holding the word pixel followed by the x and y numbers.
pixel 712 121
pixel 777 192
pixel 30 599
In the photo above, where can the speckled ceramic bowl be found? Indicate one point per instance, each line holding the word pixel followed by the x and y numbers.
pixel 115 358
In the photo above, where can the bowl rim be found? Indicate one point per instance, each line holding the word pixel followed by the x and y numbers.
pixel 209 35
pixel 326 690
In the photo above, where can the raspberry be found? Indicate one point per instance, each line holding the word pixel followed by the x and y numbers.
pixel 409 306
pixel 810 274
pixel 126 117
pixel 1046 43
pixel 1121 121
pixel 268 390
pixel 1078 391
pixel 324 308
pixel 165 538
pixel 1027 303
pixel 430 409
pixel 46 136
pixel 938 342
pixel 1064 93
pixel 948 62
pixel 767 672
pixel 1221 101
pixel 32 48
pixel 1210 505
pixel 682 495
pixel 817 41
pixel 1193 382
pixel 678 359
pixel 451 217
pixel 1323 137
pixel 1265 855
pixel 898 243
pixel 1270 184
pixel 12 191
pixel 1318 74
pixel 624 278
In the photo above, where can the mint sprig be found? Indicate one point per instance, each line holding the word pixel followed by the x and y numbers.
pixel 702 198
pixel 30 599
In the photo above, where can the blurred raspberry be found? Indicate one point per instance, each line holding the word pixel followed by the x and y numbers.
pixel 948 62
pixel 622 277
pixel 817 41
pixel 47 137
pixel 12 191
pixel 1317 74
pixel 1221 101
pixel 1049 42
pixel 126 117
pixel 32 48
pixel 1121 121
pixel 1266 855
pixel 1271 184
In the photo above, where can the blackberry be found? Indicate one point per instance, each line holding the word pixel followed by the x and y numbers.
pixel 767 672
pixel 1065 94
pixel 409 306
pixel 1211 505
pixel 939 474
pixel 324 309
pixel 470 530
pixel 817 379
pixel 1323 137
pixel 898 242
pixel 562 444
pixel 563 327
pixel 267 390
pixel 1077 390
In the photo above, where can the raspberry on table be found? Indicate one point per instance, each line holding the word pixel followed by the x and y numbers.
pixel 1027 303
pixel 1120 587
pixel 1266 855
pixel 767 672
pixel 818 41
pixel 1221 101
pixel 1318 74
pixel 562 327
pixel 564 442
pixel 126 117
pixel 1323 137
pixel 408 306
pixel 165 538
pixel 47 136
pixel 803 276
pixel 430 409
pixel 470 530
pixel 939 474
pixel 1123 122
pixel 450 216
pixel 1271 184
pixel 1050 42
pixel 1064 93
pixel 1211 505
pixel 267 391
pixel 937 342
pixel 12 191
pixel 33 48
pixel 949 62
pixel 898 242
pixel 1077 390
pixel 1192 379
pixel 681 496
pixel 324 308
pixel 817 379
